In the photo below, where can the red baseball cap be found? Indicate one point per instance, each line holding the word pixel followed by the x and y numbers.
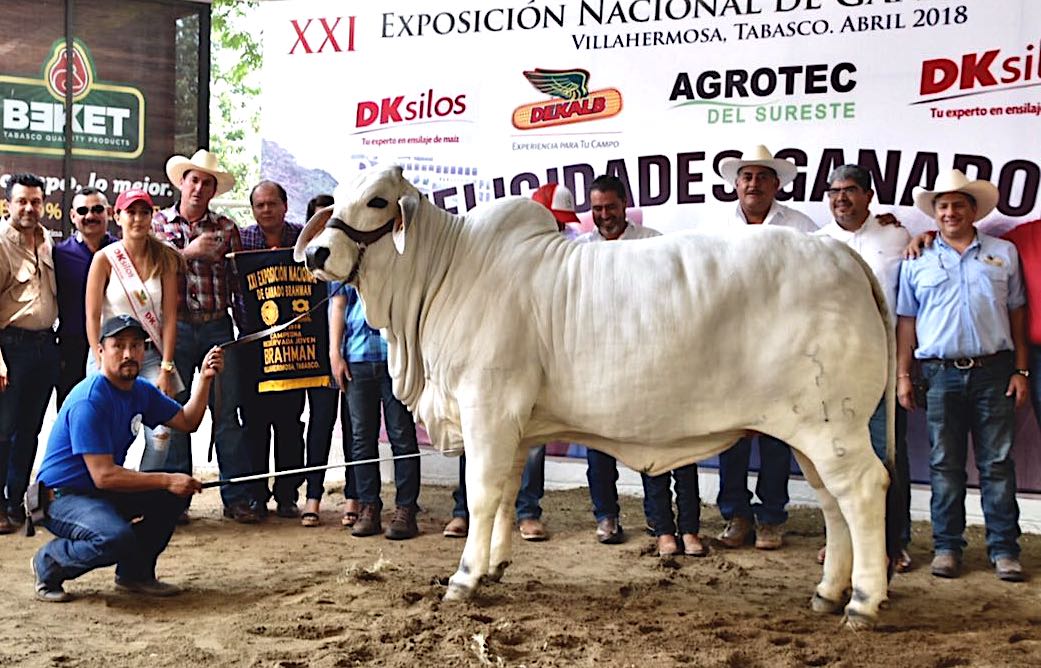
pixel 128 197
pixel 559 200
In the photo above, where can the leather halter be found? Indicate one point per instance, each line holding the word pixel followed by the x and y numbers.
pixel 362 239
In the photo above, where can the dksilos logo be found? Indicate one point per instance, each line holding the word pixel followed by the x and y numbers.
pixel 575 102
pixel 108 120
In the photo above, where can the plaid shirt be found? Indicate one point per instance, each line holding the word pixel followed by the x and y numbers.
pixel 253 237
pixel 361 343
pixel 206 287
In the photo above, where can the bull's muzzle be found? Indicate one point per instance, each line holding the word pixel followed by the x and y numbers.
pixel 315 257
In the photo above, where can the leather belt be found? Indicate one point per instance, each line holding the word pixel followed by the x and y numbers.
pixel 199 318
pixel 966 363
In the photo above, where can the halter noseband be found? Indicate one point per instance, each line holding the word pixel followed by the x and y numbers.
pixel 362 239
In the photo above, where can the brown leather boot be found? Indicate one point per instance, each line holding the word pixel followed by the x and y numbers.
pixel 403 525
pixel 368 523
pixel 737 532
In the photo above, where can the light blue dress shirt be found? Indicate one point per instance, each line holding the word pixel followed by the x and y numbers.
pixel 962 301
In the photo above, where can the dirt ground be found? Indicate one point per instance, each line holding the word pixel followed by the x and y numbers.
pixel 282 595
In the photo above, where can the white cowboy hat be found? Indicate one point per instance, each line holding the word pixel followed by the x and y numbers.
pixel 203 161
pixel 760 155
pixel 984 192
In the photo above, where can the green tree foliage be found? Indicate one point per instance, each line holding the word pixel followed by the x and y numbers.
pixel 234 91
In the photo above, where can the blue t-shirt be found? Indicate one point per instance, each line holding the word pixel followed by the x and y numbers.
pixel 361 343
pixel 98 418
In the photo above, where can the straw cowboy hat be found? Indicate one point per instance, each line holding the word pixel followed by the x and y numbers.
pixel 984 192
pixel 761 156
pixel 203 161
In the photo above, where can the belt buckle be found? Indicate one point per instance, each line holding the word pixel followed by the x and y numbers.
pixel 964 363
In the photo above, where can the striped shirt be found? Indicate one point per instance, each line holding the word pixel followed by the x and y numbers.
pixel 253 237
pixel 361 343
pixel 206 287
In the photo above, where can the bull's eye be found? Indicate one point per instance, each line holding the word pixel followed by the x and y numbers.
pixel 378 203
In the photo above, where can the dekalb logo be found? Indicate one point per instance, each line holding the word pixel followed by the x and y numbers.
pixel 579 103
pixel 426 107
pixel 981 72
pixel 108 120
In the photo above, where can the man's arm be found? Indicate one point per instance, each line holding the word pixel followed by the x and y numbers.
pixel 906 342
pixel 189 417
pixel 338 366
pixel 109 476
pixel 1017 384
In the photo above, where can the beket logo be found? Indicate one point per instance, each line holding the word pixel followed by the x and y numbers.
pixel 60 71
pixel 978 73
pixel 426 107
pixel 580 104
pixel 338 42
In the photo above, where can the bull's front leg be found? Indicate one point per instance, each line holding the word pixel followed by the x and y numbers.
pixel 490 457
pixel 502 532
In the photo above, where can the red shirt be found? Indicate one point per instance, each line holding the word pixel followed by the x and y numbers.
pixel 1027 238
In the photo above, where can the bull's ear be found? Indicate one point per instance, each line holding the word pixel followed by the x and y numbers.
pixel 311 230
pixel 409 206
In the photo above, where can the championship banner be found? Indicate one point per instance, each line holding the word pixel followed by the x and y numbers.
pixel 275 289
pixel 483 100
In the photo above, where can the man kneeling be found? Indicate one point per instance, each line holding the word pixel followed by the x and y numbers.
pixel 100 512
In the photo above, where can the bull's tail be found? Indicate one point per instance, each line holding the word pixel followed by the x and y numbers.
pixel 896 503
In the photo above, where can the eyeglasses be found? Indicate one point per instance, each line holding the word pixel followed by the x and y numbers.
pixel 848 190
pixel 96 209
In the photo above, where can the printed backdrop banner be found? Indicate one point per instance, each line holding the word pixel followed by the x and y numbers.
pixel 275 289
pixel 481 100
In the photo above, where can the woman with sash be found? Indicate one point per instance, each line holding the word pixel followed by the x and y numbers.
pixel 138 276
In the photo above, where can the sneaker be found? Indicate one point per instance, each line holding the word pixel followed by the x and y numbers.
pixel 458 527
pixel 609 531
pixel 1008 569
pixel 403 525
pixel 183 519
pixel 532 528
pixel 5 524
pixel 736 533
pixel 769 536
pixel 242 513
pixel 368 523
pixel 49 593
pixel 16 514
pixel 946 565
pixel 151 587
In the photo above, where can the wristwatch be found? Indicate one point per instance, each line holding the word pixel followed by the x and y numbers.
pixel 166 366
pixel 1023 372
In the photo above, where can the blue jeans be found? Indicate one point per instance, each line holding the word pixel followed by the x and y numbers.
pixel 601 475
pixel 901 477
pixel 659 499
pixel 32 371
pixel 95 531
pixel 322 404
pixel 153 457
pixel 1035 381
pixel 735 500
pixel 368 389
pixel 233 458
pixel 960 402
pixel 533 484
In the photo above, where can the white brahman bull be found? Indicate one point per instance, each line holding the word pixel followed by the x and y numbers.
pixel 661 352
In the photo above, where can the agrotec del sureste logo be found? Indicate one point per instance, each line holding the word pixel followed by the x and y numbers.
pixel 575 103
pixel 108 120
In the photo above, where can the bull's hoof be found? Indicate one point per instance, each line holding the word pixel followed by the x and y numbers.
pixel 458 592
pixel 820 604
pixel 858 621
pixel 497 572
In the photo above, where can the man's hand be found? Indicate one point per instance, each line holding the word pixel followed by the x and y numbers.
pixel 887 219
pixel 905 393
pixel 1018 388
pixel 183 485
pixel 919 244
pixel 341 371
pixel 207 246
pixel 213 363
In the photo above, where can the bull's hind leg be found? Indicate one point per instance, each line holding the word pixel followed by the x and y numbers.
pixel 858 481
pixel 491 454
pixel 502 532
pixel 838 556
